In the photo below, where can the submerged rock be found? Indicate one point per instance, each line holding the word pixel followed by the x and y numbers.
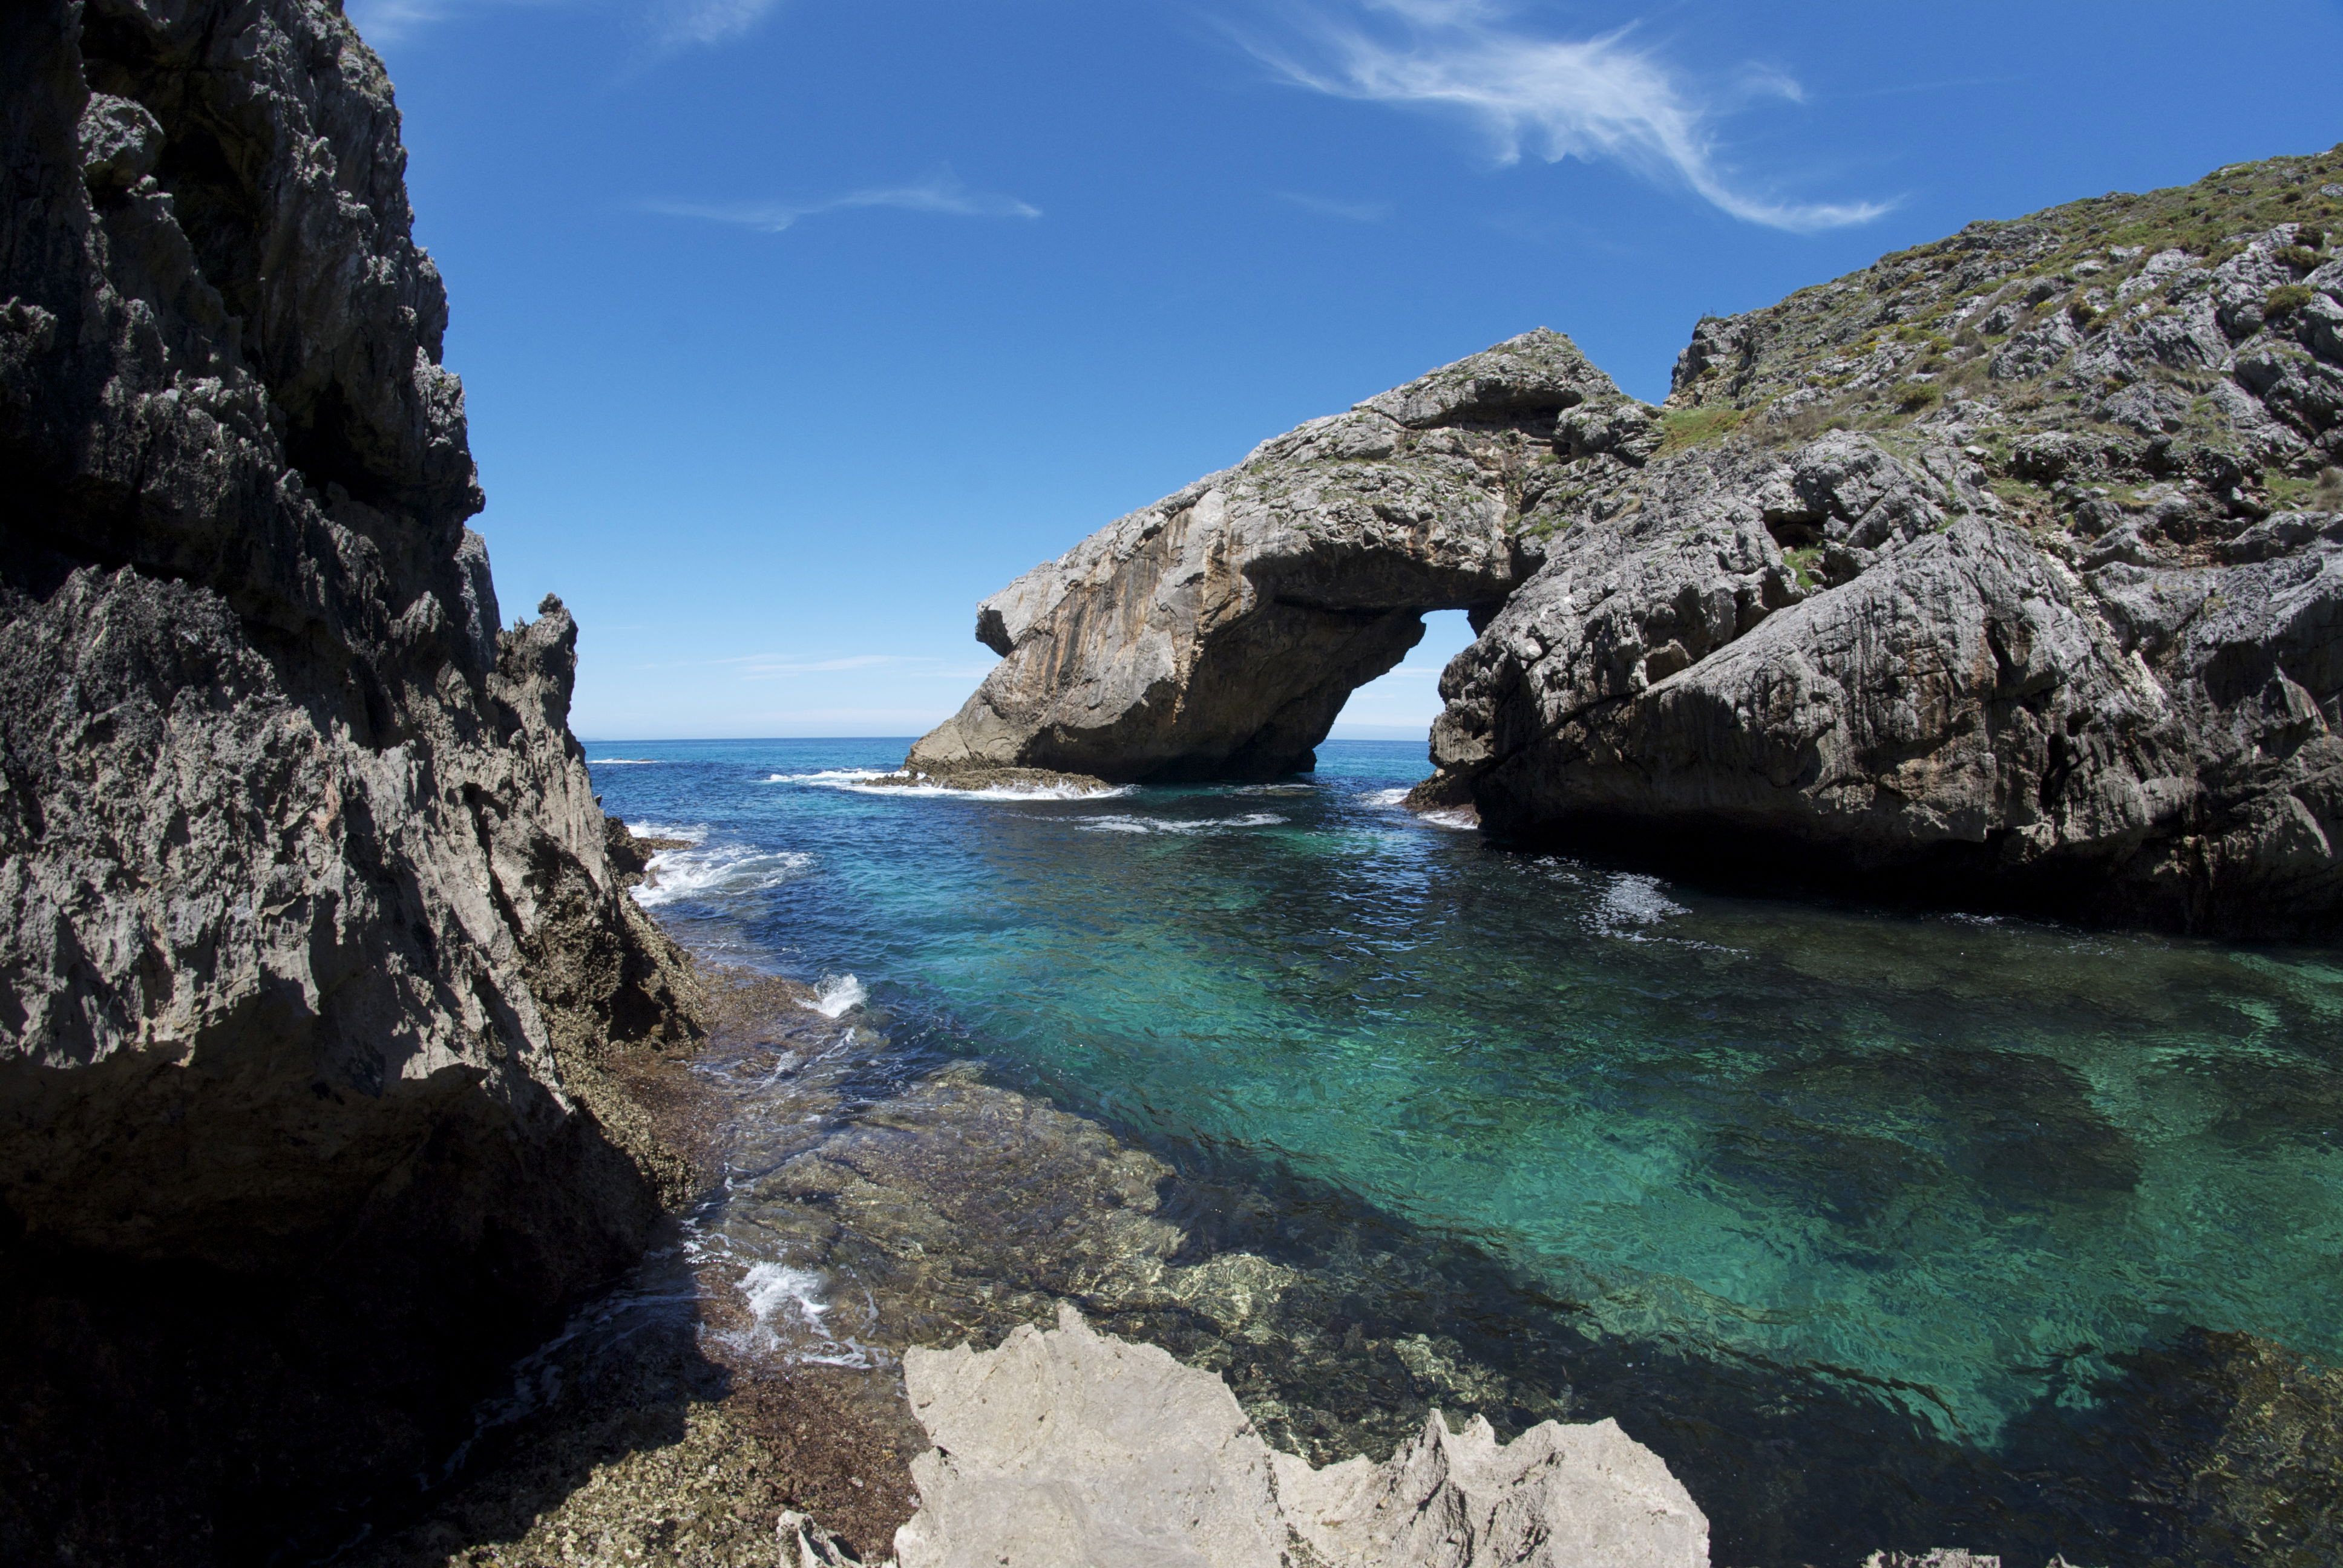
pixel 313 948
pixel 2008 571
pixel 1068 1448
pixel 1033 780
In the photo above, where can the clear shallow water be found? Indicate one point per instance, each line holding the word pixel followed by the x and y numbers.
pixel 1958 1163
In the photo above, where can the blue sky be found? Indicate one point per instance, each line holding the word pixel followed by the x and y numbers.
pixel 790 328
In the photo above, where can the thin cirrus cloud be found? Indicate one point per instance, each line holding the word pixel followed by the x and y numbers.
pixel 1347 211
pixel 1553 97
pixel 710 20
pixel 673 23
pixel 940 192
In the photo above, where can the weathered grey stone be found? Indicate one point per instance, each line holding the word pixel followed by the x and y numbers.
pixel 1066 1449
pixel 1219 631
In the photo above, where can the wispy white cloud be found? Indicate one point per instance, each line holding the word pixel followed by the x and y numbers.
pixel 1554 98
pixel 710 20
pixel 382 21
pixel 940 192
pixel 1348 211
pixel 676 23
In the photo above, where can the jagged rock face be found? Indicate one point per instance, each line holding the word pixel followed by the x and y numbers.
pixel 2056 638
pixel 1218 632
pixel 304 886
pixel 1066 1449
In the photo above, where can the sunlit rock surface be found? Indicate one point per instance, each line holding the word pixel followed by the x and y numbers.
pixel 2006 570
pixel 1066 1449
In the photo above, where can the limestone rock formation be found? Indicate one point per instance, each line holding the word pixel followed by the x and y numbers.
pixel 2055 618
pixel 310 939
pixel 1218 632
pixel 2008 571
pixel 1066 1449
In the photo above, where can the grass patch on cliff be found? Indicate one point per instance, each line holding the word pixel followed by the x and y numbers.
pixel 2290 493
pixel 1682 428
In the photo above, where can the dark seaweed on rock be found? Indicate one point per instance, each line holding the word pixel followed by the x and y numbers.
pixel 311 944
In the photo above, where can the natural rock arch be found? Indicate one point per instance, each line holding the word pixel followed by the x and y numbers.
pixel 1218 633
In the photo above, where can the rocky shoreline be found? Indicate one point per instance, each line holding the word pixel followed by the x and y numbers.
pixel 967 1210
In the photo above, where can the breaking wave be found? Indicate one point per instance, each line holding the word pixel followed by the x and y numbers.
pixel 1160 825
pixel 786 1311
pixel 836 995
pixel 714 870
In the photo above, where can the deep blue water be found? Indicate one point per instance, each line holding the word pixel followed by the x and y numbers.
pixel 1960 1156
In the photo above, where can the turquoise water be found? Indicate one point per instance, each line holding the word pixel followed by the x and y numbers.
pixel 1964 1165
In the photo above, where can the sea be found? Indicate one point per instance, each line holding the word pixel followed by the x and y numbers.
pixel 1885 1228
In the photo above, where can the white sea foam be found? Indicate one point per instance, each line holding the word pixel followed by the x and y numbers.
pixel 1011 791
pixel 689 832
pixel 716 871
pixel 623 761
pixel 1631 903
pixel 788 1316
pixel 836 777
pixel 1457 819
pixel 836 995
pixel 1166 825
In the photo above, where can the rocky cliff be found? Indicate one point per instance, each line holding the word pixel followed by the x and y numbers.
pixel 2009 569
pixel 311 944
